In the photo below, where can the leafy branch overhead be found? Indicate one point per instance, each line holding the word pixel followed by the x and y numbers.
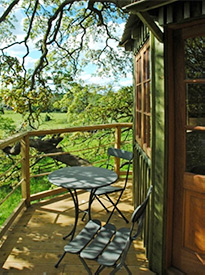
pixel 65 36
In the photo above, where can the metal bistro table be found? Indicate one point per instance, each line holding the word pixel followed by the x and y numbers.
pixel 81 177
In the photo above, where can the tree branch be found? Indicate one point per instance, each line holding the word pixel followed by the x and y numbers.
pixel 65 35
pixel 49 146
pixel 8 10
pixel 44 48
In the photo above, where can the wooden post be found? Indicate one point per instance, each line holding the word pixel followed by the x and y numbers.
pixel 25 170
pixel 117 145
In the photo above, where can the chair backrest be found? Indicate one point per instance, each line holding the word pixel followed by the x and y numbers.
pixel 122 154
pixel 137 217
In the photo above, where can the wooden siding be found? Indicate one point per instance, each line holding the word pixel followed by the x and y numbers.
pixel 183 11
pixel 140 36
pixel 166 12
pixel 142 176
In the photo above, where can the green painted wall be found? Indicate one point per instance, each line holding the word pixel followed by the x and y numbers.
pixel 153 234
pixel 158 154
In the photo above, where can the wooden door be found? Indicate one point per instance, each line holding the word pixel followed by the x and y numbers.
pixel 188 253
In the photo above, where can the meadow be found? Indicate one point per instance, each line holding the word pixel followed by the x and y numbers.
pixel 57 120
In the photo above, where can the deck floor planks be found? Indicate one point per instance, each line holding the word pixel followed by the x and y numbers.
pixel 35 243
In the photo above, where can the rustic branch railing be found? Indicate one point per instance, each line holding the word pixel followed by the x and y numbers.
pixel 25 158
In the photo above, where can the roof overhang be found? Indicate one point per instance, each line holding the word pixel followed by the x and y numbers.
pixel 126 40
pixel 141 8
pixel 146 5
pixel 155 14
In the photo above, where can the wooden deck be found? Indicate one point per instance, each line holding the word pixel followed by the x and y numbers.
pixel 35 243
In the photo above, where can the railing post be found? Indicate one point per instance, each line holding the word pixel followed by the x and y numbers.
pixel 117 145
pixel 25 170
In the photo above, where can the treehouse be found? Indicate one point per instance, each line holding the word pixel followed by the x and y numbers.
pixel 167 40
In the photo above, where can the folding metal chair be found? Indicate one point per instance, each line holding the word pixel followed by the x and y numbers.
pixel 106 245
pixel 126 158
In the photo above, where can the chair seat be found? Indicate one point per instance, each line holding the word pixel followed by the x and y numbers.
pixel 107 190
pixel 84 237
pixel 93 250
pixel 114 250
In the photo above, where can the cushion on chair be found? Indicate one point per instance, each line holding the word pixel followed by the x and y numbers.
pixel 84 237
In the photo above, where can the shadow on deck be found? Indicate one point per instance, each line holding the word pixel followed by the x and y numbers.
pixel 35 243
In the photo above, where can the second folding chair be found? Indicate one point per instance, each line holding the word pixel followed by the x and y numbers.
pixel 126 160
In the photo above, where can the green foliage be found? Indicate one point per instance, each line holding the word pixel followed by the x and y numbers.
pixel 29 103
pixel 67 36
pixel 194 57
pixel 7 126
pixel 7 207
pixel 92 104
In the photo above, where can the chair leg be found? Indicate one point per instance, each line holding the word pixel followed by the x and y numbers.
pixel 102 204
pixel 115 207
pixel 127 268
pixel 100 268
pixel 123 216
pixel 118 267
pixel 61 258
pixel 86 211
pixel 83 217
pixel 86 266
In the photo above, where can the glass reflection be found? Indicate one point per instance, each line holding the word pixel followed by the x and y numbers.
pixel 195 104
pixel 194 57
pixel 195 152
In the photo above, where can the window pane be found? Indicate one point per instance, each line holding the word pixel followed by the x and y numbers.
pixel 139 97
pixel 143 94
pixel 195 105
pixel 194 57
pixel 195 152
pixel 138 126
pixel 147 97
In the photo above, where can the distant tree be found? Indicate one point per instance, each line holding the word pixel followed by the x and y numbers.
pixel 93 104
pixel 61 32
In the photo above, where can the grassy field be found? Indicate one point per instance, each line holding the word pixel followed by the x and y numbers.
pixel 57 120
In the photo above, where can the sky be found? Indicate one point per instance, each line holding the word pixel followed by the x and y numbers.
pixel 86 75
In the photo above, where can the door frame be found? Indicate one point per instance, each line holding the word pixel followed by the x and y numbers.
pixel 170 31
